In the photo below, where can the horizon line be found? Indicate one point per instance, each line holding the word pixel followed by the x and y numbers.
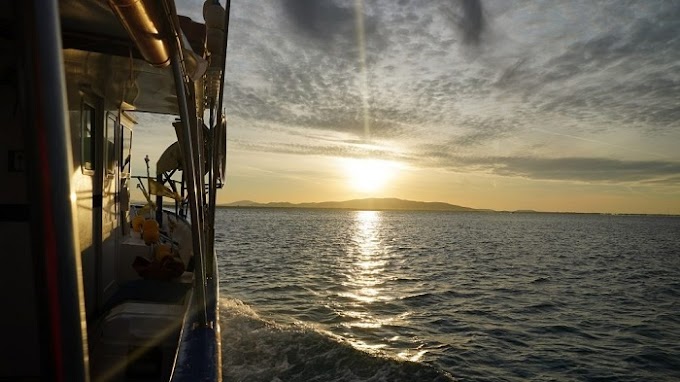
pixel 309 205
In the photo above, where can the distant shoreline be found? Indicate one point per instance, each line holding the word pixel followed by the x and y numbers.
pixel 447 211
pixel 392 204
pixel 353 209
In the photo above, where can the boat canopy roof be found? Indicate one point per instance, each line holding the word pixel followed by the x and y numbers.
pixel 98 46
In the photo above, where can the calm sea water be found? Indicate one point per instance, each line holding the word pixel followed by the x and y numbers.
pixel 316 295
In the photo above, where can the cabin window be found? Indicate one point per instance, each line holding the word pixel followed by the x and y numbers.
pixel 87 143
pixel 126 149
pixel 109 140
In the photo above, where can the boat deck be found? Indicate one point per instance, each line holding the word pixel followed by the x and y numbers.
pixel 135 335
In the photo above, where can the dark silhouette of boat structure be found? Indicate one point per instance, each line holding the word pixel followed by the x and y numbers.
pixel 98 289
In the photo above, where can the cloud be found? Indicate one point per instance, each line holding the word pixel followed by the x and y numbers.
pixel 667 181
pixel 572 169
pixel 581 169
pixel 470 20
pixel 320 19
pixel 346 151
pixel 584 169
pixel 624 72
pixel 446 79
pixel 330 27
pixel 298 81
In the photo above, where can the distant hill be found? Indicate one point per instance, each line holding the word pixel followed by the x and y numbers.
pixel 361 204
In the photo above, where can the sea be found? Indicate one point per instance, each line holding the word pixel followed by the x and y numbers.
pixel 337 295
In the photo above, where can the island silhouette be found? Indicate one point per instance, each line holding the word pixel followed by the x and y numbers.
pixel 379 204
pixel 395 204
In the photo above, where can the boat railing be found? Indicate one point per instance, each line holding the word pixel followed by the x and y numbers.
pixel 201 320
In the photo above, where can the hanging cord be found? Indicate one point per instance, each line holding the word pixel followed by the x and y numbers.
pixel 130 84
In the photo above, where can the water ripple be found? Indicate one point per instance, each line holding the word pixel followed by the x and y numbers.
pixel 436 296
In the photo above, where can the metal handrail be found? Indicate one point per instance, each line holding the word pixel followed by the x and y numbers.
pixel 193 185
pixel 194 179
pixel 217 126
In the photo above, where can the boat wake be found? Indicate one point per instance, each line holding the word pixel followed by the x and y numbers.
pixel 255 349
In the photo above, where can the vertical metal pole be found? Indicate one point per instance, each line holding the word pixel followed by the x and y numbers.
pixel 194 187
pixel 212 190
pixel 182 212
pixel 216 135
pixel 159 202
pixel 196 130
pixel 227 10
pixel 54 243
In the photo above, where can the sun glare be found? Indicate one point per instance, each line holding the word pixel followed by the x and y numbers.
pixel 369 175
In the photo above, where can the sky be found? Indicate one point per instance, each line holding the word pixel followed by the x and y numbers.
pixel 509 105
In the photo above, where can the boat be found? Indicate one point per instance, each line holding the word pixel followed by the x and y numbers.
pixel 96 288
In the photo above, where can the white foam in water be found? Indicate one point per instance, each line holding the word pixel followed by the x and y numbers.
pixel 408 355
pixel 255 349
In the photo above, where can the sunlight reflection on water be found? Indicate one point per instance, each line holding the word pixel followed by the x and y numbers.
pixel 365 273
pixel 365 281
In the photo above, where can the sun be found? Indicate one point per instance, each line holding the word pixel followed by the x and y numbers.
pixel 369 175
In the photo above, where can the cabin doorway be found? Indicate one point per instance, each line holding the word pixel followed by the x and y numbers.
pixel 110 187
pixel 126 123
pixel 100 237
pixel 88 188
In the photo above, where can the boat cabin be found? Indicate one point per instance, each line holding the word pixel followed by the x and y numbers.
pixel 97 288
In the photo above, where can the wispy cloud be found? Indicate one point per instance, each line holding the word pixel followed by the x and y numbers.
pixel 578 169
pixel 582 169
